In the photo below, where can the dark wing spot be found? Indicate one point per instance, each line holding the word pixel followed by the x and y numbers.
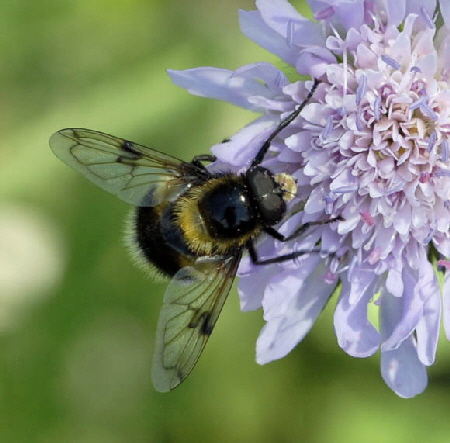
pixel 206 327
pixel 129 153
pixel 203 323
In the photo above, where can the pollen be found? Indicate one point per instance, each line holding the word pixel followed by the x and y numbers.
pixel 288 185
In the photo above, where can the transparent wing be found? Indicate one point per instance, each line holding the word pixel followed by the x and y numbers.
pixel 191 307
pixel 133 172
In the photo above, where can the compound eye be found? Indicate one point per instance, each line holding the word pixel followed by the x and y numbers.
pixel 266 194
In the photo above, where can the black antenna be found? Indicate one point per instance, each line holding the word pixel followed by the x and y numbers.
pixel 266 145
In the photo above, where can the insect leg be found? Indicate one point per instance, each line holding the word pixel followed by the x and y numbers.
pixel 266 145
pixel 281 258
pixel 300 230
pixel 198 159
pixel 280 237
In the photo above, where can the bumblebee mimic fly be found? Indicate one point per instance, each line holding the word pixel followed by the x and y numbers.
pixel 191 224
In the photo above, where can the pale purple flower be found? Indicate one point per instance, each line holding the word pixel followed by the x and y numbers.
pixel 372 147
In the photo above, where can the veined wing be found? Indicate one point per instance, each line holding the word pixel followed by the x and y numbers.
pixel 191 307
pixel 131 171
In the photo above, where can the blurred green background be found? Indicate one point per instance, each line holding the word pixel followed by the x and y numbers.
pixel 77 320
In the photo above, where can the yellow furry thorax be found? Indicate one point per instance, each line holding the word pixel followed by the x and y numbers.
pixel 194 228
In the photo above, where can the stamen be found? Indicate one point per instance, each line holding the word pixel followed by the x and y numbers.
pixel 444 150
pixel 345 68
pixel 391 62
pixel 346 189
pixel 335 32
pixel 429 237
pixel 375 20
pixel 427 111
pixel 341 111
pixel 377 108
pixel 353 262
pixel 290 32
pixel 424 107
pixel 417 103
pixel 328 128
pixel 278 79
pixel 415 69
pixel 361 89
pixel 370 243
pixel 324 13
pixel 358 121
pixel 432 141
pixel 334 266
pixel 426 17
pixel 328 199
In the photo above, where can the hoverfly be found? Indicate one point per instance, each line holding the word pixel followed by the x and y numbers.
pixel 191 224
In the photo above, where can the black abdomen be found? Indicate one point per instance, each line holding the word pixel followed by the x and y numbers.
pixel 150 223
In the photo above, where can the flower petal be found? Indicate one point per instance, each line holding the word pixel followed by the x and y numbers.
pixel 396 11
pixel 445 11
pixel 401 368
pixel 245 143
pixel 280 335
pixel 427 330
pixel 407 309
pixel 252 286
pixel 446 304
pixel 222 84
pixel 355 334
pixel 254 27
pixel 282 17
pixel 349 13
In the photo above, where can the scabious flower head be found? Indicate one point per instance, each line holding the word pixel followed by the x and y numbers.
pixel 371 147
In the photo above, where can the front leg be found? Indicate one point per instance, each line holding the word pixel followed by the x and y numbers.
pixel 281 258
pixel 283 124
pixel 280 237
pixel 300 230
pixel 198 159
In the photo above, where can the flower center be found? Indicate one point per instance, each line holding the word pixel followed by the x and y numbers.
pixel 386 135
